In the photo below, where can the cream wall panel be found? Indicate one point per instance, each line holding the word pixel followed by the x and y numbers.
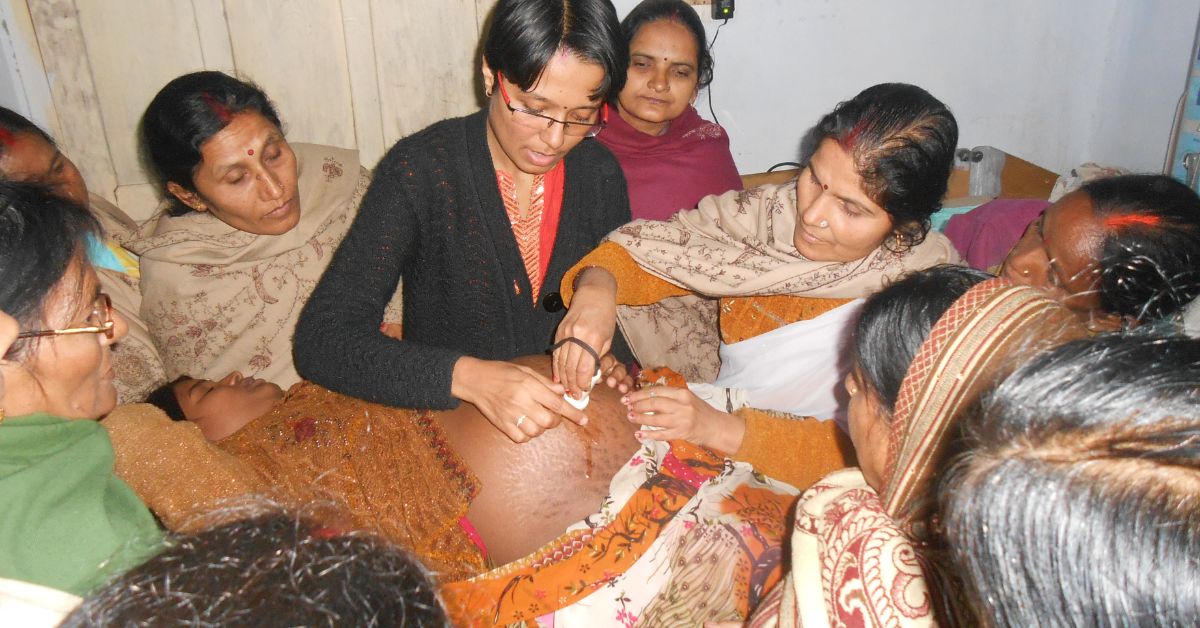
pixel 296 52
pixel 483 10
pixel 426 53
pixel 31 91
pixel 80 131
pixel 364 90
pixel 353 73
pixel 134 48
pixel 213 33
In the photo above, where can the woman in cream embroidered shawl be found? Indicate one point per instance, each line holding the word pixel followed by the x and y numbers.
pixel 253 223
pixel 792 262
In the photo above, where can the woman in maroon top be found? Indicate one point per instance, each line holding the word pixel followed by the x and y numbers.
pixel 670 155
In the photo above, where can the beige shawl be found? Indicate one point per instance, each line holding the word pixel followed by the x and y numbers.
pixel 136 362
pixel 740 244
pixel 217 299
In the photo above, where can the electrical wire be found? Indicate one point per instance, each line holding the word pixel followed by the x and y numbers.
pixel 712 43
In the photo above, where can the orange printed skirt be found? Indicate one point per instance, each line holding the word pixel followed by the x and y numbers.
pixel 684 536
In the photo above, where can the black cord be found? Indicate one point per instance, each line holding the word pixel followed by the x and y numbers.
pixel 711 112
pixel 784 163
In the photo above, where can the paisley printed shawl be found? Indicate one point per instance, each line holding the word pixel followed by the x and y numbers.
pixel 217 299
pixel 860 558
pixel 740 243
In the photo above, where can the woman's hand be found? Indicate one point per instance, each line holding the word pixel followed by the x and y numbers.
pixel 680 414
pixel 518 401
pixel 592 318
pixel 615 374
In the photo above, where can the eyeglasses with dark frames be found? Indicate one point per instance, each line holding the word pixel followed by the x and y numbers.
pixel 99 322
pixel 534 120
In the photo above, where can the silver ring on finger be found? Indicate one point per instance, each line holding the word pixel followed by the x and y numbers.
pixel 520 420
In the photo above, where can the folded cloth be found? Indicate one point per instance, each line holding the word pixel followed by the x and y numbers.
pixel 985 235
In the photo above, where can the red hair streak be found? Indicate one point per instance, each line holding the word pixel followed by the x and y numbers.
pixel 218 108
pixel 851 137
pixel 1129 220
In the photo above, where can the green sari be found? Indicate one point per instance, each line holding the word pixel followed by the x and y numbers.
pixel 66 520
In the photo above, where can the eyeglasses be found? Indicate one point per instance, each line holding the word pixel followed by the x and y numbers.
pixel 99 322
pixel 535 120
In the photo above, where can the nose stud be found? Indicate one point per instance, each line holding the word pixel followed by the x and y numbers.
pixel 1025 272
pixel 823 224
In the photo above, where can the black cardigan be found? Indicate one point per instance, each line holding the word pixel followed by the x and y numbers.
pixel 434 215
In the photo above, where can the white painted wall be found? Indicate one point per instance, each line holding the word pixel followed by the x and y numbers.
pixel 23 85
pixel 1058 82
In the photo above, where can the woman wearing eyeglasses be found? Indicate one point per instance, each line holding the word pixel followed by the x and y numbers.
pixel 66 521
pixel 481 216
pixel 29 155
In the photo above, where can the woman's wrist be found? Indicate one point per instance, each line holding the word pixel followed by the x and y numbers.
pixel 464 372
pixel 595 277
pixel 729 432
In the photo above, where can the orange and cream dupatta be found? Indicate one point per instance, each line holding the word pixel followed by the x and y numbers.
pixel 740 243
pixel 857 556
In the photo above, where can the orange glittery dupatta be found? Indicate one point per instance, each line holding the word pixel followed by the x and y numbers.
pixel 392 469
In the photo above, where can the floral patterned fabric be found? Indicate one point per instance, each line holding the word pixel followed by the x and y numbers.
pixel 870 574
pixel 217 299
pixel 685 536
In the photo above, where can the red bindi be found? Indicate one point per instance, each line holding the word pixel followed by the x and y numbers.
pixel 250 152
pixel 825 186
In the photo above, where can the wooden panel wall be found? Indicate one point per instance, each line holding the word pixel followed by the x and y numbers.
pixel 353 73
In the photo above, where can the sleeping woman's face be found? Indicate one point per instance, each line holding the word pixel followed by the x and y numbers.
pixel 223 407
pixel 837 221
pixel 869 430
pixel 247 177
pixel 1058 254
